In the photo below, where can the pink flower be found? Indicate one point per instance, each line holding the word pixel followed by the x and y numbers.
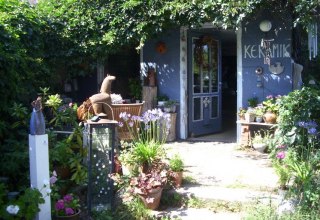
pixel 59 204
pixel 69 211
pixel 281 155
pixel 281 146
pixel 70 104
pixel 67 198
pixel 269 97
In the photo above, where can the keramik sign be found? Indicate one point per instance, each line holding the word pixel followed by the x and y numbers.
pixel 256 51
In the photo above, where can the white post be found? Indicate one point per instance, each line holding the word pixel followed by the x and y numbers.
pixel 39 171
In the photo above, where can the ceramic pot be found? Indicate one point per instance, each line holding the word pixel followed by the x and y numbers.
pixel 260 147
pixel 76 216
pixel 270 118
pixel 177 179
pixel 249 117
pixel 259 119
pixel 152 199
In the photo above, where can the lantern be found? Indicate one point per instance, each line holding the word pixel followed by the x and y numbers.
pixel 99 136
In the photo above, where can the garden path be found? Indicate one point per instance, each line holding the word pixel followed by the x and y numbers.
pixel 222 174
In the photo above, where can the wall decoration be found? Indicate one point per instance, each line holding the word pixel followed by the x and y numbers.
pixel 199 50
pixel 276 69
pixel 259 70
pixel 161 47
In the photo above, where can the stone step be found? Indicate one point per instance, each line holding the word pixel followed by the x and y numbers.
pixel 201 214
pixel 228 194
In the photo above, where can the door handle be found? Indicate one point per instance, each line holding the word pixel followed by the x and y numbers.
pixel 206 101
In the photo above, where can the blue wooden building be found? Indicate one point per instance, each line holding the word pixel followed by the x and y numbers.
pixel 212 72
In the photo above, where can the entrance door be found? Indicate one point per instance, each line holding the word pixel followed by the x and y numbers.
pixel 204 84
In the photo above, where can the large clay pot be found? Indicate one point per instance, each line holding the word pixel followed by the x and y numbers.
pixel 152 199
pixel 76 216
pixel 270 118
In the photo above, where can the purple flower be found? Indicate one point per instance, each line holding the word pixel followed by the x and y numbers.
pixel 135 118
pixel 281 155
pixel 312 124
pixel 69 211
pixel 120 124
pixel 59 205
pixel 301 124
pixel 68 198
pixel 312 131
pixel 124 115
pixel 53 179
pixel 131 124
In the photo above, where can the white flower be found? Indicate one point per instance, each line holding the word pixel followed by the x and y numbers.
pixel 116 98
pixel 13 209
pixel 48 191
pixel 46 182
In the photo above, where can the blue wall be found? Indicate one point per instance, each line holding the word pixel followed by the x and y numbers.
pixel 252 58
pixel 167 66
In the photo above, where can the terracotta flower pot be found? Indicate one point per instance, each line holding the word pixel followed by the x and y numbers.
pixel 270 118
pixel 177 179
pixel 152 199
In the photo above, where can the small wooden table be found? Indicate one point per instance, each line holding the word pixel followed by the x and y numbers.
pixel 248 128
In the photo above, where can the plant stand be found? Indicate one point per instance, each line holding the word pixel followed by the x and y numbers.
pixel 149 96
pixel 247 129
pixel 172 130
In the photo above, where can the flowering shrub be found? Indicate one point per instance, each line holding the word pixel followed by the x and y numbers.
pixel 152 126
pixel 65 205
pixel 149 132
pixel 297 163
pixel 26 205
pixel 68 205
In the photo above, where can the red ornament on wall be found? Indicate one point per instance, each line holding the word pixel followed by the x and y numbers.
pixel 161 47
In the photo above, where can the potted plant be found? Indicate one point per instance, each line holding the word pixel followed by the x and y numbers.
pixel 260 141
pixel 60 155
pixel 135 89
pixel 241 113
pixel 146 153
pixel 149 186
pixel 67 207
pixel 162 99
pixel 176 170
pixel 253 102
pixel 271 105
pixel 259 112
pixel 170 106
pixel 250 115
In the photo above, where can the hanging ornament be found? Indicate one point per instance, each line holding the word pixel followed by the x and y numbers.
pixel 313 40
